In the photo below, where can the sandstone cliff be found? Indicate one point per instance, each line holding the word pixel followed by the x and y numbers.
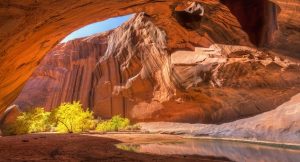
pixel 131 71
pixel 65 74
pixel 29 29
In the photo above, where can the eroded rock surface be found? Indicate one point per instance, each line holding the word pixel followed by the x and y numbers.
pixel 129 71
pixel 29 29
pixel 281 124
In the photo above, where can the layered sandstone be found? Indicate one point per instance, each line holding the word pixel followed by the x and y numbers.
pixel 129 71
pixel 280 125
pixel 29 29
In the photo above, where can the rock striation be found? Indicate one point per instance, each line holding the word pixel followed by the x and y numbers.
pixel 64 75
pixel 29 29
pixel 130 71
pixel 280 125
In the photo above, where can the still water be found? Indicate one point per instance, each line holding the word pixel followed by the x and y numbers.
pixel 235 151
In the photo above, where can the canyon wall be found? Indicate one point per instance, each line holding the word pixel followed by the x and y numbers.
pixel 130 71
pixel 64 75
pixel 30 28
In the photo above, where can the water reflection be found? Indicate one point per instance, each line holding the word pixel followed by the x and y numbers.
pixel 236 151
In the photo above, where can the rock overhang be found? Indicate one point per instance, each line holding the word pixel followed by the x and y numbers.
pixel 31 28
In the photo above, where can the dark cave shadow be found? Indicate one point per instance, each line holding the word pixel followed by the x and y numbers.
pixel 258 18
pixel 188 20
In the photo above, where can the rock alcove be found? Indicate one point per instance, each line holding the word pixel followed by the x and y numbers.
pixel 207 69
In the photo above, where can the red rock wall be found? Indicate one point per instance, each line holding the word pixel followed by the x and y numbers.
pixel 257 17
pixel 129 71
pixel 65 74
pixel 286 39
pixel 29 29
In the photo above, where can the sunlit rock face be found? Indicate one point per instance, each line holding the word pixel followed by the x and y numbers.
pixel 29 29
pixel 129 71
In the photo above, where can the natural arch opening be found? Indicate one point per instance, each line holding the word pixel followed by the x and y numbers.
pixel 66 73
pixel 177 61
pixel 97 27
pixel 206 28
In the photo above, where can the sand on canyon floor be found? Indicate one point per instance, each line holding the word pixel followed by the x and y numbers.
pixel 85 147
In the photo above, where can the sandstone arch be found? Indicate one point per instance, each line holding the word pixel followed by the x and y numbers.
pixel 29 29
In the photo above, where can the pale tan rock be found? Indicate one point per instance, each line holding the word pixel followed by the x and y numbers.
pixel 280 125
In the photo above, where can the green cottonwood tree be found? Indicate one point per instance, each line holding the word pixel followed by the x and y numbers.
pixel 71 118
pixel 116 123
pixel 36 120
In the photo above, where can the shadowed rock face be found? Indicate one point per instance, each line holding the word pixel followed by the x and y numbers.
pixel 65 74
pixel 8 117
pixel 257 17
pixel 129 71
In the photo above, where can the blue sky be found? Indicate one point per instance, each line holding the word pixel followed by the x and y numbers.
pixel 97 27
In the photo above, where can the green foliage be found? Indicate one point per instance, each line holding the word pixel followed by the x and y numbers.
pixel 66 118
pixel 116 123
pixel 71 118
pixel 36 120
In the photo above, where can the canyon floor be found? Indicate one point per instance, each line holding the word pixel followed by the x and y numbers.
pixel 85 147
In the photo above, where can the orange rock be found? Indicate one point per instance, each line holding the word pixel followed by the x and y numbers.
pixel 129 71
pixel 30 29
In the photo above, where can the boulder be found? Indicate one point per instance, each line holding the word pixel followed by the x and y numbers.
pixel 9 117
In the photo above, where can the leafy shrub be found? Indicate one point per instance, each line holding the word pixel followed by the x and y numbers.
pixel 66 118
pixel 116 123
pixel 71 118
pixel 36 120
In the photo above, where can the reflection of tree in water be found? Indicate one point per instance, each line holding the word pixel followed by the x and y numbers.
pixel 236 151
pixel 129 147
